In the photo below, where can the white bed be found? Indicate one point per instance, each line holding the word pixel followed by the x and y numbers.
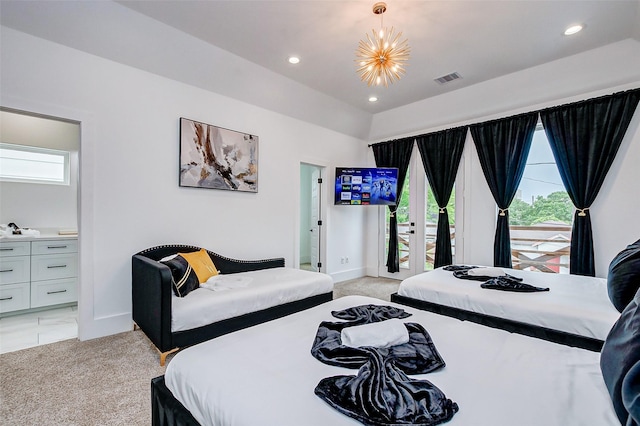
pixel 232 295
pixel 265 375
pixel 575 305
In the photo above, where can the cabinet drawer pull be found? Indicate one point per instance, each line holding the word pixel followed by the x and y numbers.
pixel 7 298
pixel 56 266
pixel 6 249
pixel 56 247
pixel 57 291
pixel 6 270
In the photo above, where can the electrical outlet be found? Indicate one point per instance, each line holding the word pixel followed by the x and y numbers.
pixel 346 259
pixel 342 260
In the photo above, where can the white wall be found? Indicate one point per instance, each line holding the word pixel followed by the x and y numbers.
pixel 598 72
pixel 129 194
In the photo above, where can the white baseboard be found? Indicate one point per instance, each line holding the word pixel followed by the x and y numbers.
pixel 348 275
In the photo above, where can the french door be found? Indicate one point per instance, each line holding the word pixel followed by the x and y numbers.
pixel 411 224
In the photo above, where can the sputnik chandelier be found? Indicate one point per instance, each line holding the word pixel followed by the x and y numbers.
pixel 381 58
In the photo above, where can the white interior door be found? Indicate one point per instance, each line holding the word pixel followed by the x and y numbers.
pixel 411 224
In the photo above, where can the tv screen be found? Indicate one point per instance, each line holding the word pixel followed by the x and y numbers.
pixel 366 186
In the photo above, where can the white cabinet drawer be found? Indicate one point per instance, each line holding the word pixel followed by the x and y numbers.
pixel 14 297
pixel 54 247
pixel 14 269
pixel 53 292
pixel 54 266
pixel 15 248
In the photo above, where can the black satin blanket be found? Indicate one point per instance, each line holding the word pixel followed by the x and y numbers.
pixel 505 283
pixel 382 393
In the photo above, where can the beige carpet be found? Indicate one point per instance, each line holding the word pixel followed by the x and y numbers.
pixel 103 381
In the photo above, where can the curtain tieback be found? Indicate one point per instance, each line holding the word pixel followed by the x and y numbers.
pixel 582 212
pixel 442 209
pixel 503 211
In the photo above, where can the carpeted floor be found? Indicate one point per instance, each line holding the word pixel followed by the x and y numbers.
pixel 102 381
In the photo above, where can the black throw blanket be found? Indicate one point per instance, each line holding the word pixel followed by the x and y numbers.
pixel 382 393
pixel 505 283
pixel 418 356
pixel 508 284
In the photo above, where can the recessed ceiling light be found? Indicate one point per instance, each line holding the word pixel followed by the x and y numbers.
pixel 294 59
pixel 573 29
pixel 373 99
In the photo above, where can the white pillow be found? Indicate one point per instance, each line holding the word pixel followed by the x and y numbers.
pixel 486 272
pixel 378 334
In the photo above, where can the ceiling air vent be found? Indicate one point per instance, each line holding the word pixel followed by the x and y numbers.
pixel 447 78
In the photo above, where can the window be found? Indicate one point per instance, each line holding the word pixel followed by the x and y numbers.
pixel 541 214
pixel 19 163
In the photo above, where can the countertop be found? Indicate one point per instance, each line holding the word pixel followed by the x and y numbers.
pixel 41 237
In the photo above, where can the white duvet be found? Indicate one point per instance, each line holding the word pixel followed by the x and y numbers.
pixel 228 296
pixel 574 304
pixel 265 375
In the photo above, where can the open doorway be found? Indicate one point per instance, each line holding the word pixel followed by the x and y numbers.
pixel 310 255
pixel 40 304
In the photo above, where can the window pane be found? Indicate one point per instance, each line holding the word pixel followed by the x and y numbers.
pixel 541 214
pixel 431 221
pixel 402 218
pixel 31 164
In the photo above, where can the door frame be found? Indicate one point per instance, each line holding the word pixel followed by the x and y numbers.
pixel 88 326
pixel 322 200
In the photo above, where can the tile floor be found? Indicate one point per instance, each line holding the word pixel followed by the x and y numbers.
pixel 38 328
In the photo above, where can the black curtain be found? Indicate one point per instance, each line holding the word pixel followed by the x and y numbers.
pixel 396 153
pixel 585 137
pixel 441 153
pixel 503 147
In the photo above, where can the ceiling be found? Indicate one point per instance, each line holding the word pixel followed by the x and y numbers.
pixel 478 39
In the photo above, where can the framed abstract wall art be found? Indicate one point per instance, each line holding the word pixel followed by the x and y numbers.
pixel 217 158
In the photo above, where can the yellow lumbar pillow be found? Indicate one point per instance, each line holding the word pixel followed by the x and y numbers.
pixel 201 263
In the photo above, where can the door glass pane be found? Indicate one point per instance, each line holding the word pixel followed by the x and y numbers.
pixel 541 214
pixel 402 216
pixel 432 211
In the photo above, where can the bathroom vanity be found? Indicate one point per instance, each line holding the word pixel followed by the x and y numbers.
pixel 38 272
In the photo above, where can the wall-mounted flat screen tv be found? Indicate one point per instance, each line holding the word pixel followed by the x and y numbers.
pixel 366 186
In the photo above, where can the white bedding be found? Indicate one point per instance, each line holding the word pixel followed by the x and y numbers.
pixel 232 295
pixel 574 304
pixel 265 375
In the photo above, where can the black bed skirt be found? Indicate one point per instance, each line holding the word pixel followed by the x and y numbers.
pixel 556 336
pixel 183 339
pixel 166 410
